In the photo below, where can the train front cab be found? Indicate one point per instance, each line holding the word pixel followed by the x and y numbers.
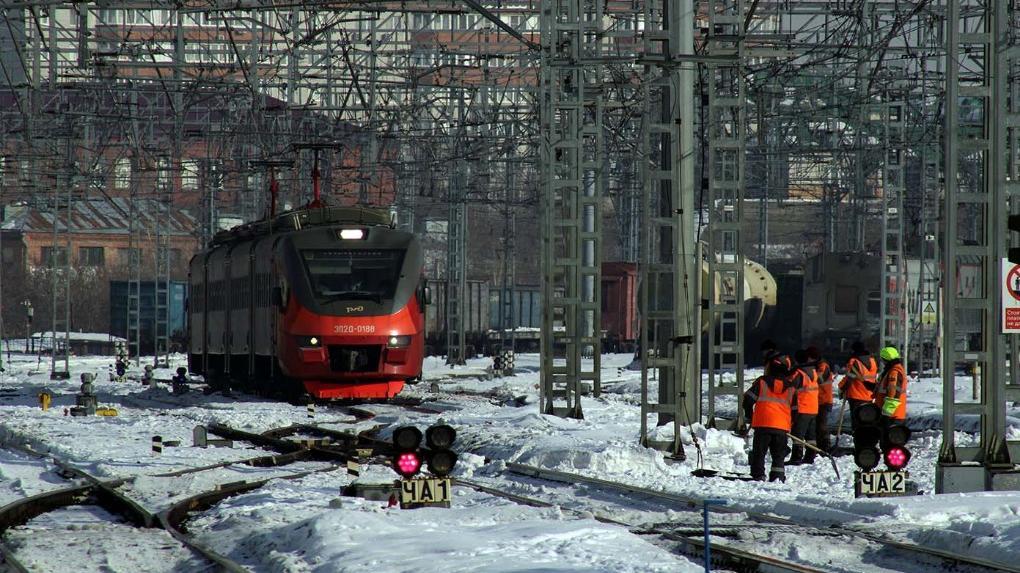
pixel 351 321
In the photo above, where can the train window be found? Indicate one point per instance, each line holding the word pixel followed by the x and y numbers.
pixel 354 274
pixel 845 301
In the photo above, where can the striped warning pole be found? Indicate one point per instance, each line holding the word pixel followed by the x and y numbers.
pixel 157 445
pixel 311 411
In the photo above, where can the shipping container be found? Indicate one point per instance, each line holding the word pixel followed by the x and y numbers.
pixel 147 312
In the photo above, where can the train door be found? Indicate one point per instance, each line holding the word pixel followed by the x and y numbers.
pixel 265 310
pixel 239 313
pixel 216 315
pixel 196 314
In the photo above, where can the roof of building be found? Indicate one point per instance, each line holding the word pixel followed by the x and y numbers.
pixel 79 336
pixel 102 216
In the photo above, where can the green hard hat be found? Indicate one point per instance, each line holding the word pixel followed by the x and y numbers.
pixel 889 353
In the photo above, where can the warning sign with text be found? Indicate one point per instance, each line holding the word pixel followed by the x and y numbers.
pixel 1010 297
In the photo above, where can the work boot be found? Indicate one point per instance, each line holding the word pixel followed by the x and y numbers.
pixel 809 458
pixel 781 478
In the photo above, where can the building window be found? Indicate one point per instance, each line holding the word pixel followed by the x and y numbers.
pixel 10 255
pixel 91 256
pixel 122 173
pixel 874 303
pixel 846 300
pixel 189 174
pixel 55 256
pixel 129 257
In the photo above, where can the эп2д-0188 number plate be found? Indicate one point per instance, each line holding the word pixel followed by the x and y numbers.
pixel 880 483
pixel 423 492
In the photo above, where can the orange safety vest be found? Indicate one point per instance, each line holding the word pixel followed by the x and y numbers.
pixel 894 385
pixel 825 378
pixel 805 379
pixel 857 372
pixel 773 405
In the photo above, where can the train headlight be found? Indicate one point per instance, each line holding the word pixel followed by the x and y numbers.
pixel 399 341
pixel 308 341
pixel 352 234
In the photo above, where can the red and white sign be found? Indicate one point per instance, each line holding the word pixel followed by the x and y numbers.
pixel 1010 297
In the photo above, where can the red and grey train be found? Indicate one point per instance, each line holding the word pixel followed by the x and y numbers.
pixel 325 300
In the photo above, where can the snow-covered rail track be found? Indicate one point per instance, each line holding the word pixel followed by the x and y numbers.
pixel 764 524
pixel 723 555
pixel 104 494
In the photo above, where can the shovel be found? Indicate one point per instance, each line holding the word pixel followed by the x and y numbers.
pixel 819 450
pixel 839 425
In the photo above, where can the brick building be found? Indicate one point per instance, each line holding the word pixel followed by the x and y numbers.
pixel 101 251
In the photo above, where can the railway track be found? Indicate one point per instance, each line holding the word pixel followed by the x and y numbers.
pixel 760 523
pixel 684 536
pixel 690 545
pixel 105 494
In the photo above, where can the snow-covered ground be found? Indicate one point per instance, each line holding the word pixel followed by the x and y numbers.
pixel 306 525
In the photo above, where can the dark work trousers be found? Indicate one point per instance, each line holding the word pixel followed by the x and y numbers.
pixel 803 428
pixel 774 442
pixel 822 427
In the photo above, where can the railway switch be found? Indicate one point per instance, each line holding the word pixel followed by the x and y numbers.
pixel 179 383
pixel 86 401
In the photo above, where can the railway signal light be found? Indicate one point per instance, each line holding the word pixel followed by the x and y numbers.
pixel 440 440
pixel 867 433
pixel 894 446
pixel 406 456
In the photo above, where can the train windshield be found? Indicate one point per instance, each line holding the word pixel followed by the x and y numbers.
pixel 338 274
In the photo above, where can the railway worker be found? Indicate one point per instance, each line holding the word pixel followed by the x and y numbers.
pixel 772 402
pixel 858 384
pixel 805 380
pixel 825 378
pixel 891 391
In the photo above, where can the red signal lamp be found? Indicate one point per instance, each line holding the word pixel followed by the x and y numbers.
pixel 408 464
pixel 896 457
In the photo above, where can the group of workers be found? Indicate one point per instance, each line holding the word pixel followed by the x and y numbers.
pixel 794 398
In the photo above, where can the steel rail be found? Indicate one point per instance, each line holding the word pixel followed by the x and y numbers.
pixel 104 494
pixel 723 554
pixel 691 502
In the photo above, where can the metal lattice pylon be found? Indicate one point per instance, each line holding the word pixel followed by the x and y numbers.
pixel 161 281
pixel 570 154
pixel 456 275
pixel 669 299
pixel 60 269
pixel 981 63
pixel 726 129
pixel 893 330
